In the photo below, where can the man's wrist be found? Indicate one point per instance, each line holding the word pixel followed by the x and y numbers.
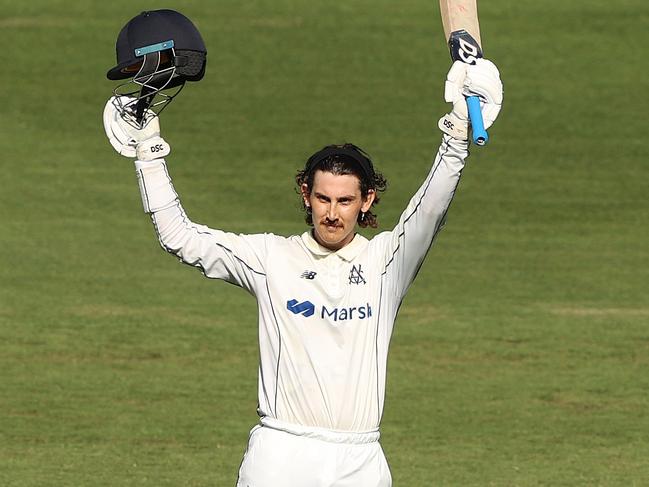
pixel 153 162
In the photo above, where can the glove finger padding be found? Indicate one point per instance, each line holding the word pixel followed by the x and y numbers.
pixel 483 80
pixel 453 88
pixel 455 123
pixel 115 133
pixel 122 136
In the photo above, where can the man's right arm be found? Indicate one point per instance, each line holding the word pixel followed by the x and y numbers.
pixel 238 259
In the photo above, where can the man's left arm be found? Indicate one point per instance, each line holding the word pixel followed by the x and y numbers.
pixel 425 215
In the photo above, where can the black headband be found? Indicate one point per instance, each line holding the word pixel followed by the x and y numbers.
pixel 354 154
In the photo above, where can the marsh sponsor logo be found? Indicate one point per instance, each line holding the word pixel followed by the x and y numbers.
pixel 305 308
pixel 343 314
pixel 340 313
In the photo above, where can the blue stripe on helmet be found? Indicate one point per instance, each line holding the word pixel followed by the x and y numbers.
pixel 141 51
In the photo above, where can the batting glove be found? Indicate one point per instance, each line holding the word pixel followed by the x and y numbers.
pixel 143 144
pixel 481 79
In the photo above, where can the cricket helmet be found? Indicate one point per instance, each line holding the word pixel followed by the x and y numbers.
pixel 158 50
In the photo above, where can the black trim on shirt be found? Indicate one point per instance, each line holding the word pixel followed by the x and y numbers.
pixel 430 180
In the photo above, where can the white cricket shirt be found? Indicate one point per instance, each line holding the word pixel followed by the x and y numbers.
pixel 325 317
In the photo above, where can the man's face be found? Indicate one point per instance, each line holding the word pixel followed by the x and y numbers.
pixel 335 202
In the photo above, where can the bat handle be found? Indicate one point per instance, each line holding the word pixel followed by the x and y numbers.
pixel 480 135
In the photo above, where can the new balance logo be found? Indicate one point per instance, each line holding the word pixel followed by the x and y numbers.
pixel 308 275
pixel 305 308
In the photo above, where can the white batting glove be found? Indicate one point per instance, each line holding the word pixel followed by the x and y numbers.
pixel 144 144
pixel 481 79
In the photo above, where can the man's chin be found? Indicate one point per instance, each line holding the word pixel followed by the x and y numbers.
pixel 331 239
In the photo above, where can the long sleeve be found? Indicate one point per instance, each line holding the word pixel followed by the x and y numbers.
pixel 404 248
pixel 238 259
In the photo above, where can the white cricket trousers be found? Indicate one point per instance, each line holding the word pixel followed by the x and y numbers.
pixel 282 455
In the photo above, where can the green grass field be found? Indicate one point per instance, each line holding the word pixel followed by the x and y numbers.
pixel 521 354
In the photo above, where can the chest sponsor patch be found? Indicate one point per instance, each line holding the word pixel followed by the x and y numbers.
pixel 337 313
pixel 350 313
pixel 305 308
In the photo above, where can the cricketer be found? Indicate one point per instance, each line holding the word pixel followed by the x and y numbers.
pixel 328 298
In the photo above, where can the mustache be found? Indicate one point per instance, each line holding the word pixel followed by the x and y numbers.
pixel 327 221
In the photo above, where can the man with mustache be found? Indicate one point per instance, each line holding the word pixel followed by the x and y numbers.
pixel 327 299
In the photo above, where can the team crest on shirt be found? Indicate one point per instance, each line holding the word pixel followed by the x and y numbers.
pixel 356 275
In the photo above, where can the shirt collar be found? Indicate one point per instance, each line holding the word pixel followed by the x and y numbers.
pixel 348 252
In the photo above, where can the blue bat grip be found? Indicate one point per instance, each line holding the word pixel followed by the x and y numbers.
pixel 480 135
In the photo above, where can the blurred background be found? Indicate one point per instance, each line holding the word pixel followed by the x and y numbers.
pixel 521 354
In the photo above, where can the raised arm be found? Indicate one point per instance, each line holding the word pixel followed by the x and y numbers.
pixel 238 259
pixel 405 247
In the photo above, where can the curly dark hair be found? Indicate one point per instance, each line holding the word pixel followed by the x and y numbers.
pixel 342 164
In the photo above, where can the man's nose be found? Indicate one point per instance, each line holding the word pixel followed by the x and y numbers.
pixel 332 212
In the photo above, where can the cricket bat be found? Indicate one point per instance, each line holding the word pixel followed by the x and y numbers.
pixel 462 32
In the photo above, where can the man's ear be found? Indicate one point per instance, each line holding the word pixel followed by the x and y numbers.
pixel 369 199
pixel 304 189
